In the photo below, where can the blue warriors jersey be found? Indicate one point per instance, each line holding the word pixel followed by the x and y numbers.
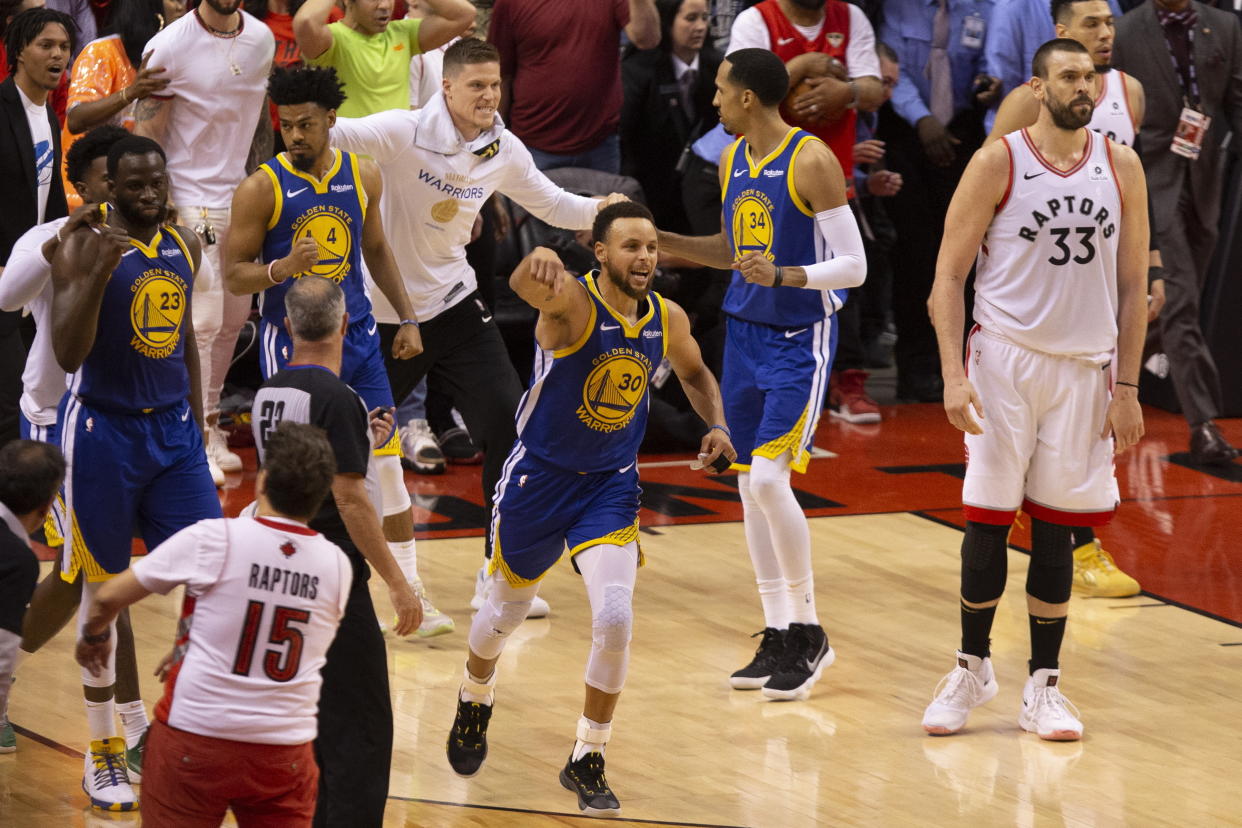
pixel 586 408
pixel 330 211
pixel 763 213
pixel 138 360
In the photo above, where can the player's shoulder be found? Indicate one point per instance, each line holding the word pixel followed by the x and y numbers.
pixel 996 157
pixel 1124 158
pixel 814 157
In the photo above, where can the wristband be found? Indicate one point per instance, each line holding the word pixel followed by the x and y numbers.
pixel 270 277
pixel 1153 273
pixel 722 428
pixel 97 639
pixel 776 280
pixel 1133 385
pixel 413 322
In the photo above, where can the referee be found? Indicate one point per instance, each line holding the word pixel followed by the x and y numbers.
pixel 354 745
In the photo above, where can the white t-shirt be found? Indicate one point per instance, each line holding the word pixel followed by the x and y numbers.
pixel 44 150
pixel 751 32
pixel 217 90
pixel 263 599
pixel 435 184
pixel 27 282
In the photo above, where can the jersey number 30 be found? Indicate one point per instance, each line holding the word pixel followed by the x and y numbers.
pixel 277 666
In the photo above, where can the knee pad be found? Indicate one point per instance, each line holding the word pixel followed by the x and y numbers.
pixel 985 561
pixel 612 627
pixel 1050 577
pixel 392 484
pixel 495 623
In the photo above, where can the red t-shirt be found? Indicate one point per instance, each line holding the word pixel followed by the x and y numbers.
pixel 565 68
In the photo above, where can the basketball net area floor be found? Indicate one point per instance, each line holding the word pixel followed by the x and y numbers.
pixel 1158 677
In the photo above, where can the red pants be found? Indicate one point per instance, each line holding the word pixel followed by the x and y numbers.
pixel 190 780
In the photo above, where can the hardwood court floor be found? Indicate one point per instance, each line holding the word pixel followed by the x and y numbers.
pixel 1159 689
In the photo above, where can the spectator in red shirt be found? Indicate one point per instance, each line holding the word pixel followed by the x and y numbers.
pixel 562 75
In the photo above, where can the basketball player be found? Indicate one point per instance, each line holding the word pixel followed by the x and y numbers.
pixel 354 745
pixel 27 281
pixel 793 245
pixel 131 424
pixel 263 598
pixel 571 479
pixel 314 210
pixel 1119 107
pixel 1057 216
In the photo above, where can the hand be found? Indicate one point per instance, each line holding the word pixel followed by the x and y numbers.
pixel 381 425
pixel 113 242
pixel 990 93
pixel 147 82
pixel 756 269
pixel 959 397
pixel 546 269
pixel 409 609
pixel 868 152
pixel 87 215
pixel 884 183
pixel 937 141
pixel 611 199
pixel 825 100
pixel 1124 419
pixel 165 666
pixel 408 342
pixel 1155 301
pixel 303 256
pixel 714 444
pixel 93 656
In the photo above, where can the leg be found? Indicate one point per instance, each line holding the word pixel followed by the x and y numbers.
pixel 105 778
pixel 183 781
pixel 281 787
pixel 1048 583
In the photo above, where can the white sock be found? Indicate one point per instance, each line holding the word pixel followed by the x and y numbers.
pixel 479 691
pixel 407 558
pixel 133 721
pixel 802 600
pixel 772 591
pixel 582 748
pixel 774 595
pixel 101 719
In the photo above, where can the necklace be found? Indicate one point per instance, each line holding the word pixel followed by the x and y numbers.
pixel 231 37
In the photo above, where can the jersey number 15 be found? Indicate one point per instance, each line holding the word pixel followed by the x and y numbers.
pixel 277 666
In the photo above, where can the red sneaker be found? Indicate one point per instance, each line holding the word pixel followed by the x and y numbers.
pixel 847 397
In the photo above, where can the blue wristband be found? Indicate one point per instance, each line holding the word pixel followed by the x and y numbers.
pixel 413 322
pixel 722 428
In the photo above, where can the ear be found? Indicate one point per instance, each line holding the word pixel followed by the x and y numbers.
pixel 1061 29
pixel 331 118
pixel 344 323
pixel 1037 87
pixel 601 252
pixel 288 328
pixel 260 484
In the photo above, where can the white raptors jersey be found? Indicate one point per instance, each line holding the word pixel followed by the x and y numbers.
pixel 1047 272
pixel 263 600
pixel 1112 115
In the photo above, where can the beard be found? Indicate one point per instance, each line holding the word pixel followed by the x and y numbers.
pixel 1103 69
pixel 224 7
pixel 1066 116
pixel 813 5
pixel 302 163
pixel 135 217
pixel 621 282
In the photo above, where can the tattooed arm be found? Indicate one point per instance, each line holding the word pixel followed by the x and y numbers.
pixel 151 117
pixel 263 145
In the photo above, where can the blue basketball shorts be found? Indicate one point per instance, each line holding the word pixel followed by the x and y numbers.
pixel 43 434
pixel 53 526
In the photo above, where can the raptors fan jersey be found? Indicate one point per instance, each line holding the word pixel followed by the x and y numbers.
pixel 263 598
pixel 586 408
pixel 1112 116
pixel 137 362
pixel 763 213
pixel 1047 269
pixel 331 212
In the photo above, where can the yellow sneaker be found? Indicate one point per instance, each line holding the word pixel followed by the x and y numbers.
pixel 1097 575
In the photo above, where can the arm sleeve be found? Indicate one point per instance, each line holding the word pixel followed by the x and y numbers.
pixel 194 557
pixel 344 420
pixel 526 185
pixel 1002 52
pixel 381 136
pixel 848 266
pixel 907 101
pixel 860 56
pixel 92 76
pixel 749 32
pixel 163 54
pixel 27 272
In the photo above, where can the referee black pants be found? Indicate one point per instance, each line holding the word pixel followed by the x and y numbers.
pixel 354 745
pixel 465 357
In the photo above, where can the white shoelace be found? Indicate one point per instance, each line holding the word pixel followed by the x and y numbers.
pixel 1050 701
pixel 960 688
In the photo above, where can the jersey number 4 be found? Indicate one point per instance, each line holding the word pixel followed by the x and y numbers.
pixel 277 666
pixel 1061 234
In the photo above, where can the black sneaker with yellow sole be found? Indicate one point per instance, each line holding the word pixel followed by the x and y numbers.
pixel 586 778
pixel 467 741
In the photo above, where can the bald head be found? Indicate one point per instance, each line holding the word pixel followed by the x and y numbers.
pixel 315 307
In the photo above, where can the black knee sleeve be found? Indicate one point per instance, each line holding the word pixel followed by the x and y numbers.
pixel 984 562
pixel 1051 574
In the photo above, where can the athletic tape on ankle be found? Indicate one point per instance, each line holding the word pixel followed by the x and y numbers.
pixel 479 688
pixel 592 735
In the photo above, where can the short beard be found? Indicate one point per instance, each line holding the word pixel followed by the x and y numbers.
pixel 222 7
pixel 136 219
pixel 1103 69
pixel 809 5
pixel 302 163
pixel 1064 116
pixel 622 283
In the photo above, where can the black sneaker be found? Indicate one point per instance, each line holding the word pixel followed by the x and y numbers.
pixel 586 778
pixel 467 741
pixel 756 674
pixel 459 449
pixel 806 655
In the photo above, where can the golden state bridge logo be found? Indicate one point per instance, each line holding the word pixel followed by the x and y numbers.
pixel 156 312
pixel 752 223
pixel 614 389
pixel 329 226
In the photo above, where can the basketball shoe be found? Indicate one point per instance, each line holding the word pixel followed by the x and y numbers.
pixel 421 453
pixel 586 778
pixel 756 674
pixel 970 684
pixel 458 448
pixel 1047 713
pixel 133 757
pixel 1097 575
pixel 805 656
pixel 218 450
pixel 847 397
pixel 8 739
pixel 105 779
pixel 482 586
pixel 467 741
pixel 434 621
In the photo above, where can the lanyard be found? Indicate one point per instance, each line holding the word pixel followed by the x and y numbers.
pixel 1188 80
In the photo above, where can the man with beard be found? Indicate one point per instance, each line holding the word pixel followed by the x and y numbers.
pixel 794 247
pixel 571 478
pixel 130 426
pixel 210 118
pixel 314 210
pixel 1051 368
pixel 1119 105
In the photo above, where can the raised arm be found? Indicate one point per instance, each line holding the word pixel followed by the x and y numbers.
pixel 80 272
pixel 90 113
pixel 310 28
pixel 713 251
pixel 700 386
pixel 564 308
pixel 381 136
pixel 1125 418
pixel 445 20
pixel 643 30
pixel 383 266
pixel 530 188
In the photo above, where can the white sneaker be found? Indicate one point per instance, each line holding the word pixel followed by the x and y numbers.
pixel 971 684
pixel 434 621
pixel 105 780
pixel 539 608
pixel 1047 713
pixel 421 452
pixel 217 474
pixel 218 449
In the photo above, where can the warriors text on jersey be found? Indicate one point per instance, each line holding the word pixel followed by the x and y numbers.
pixel 137 362
pixel 763 213
pixel 331 212
pixel 1047 270
pixel 586 409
